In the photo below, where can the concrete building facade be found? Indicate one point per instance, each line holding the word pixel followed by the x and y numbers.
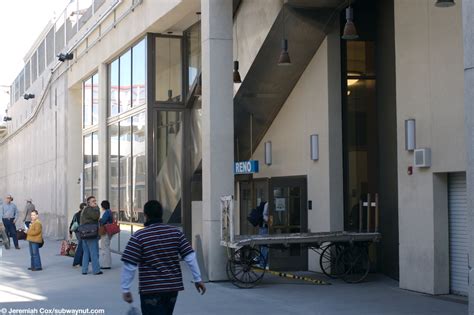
pixel 144 107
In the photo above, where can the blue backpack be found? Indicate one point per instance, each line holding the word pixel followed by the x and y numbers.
pixel 256 215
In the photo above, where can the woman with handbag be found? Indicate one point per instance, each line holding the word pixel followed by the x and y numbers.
pixel 89 236
pixel 35 239
pixel 105 257
pixel 75 222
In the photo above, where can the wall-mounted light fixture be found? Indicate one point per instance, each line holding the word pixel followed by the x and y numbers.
pixel 444 3
pixel 284 59
pixel 6 118
pixel 268 153
pixel 314 147
pixel 67 56
pixel 410 134
pixel 28 96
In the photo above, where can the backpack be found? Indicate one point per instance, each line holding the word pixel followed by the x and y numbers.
pixel 256 215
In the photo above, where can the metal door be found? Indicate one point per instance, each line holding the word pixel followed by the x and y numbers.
pixel 288 214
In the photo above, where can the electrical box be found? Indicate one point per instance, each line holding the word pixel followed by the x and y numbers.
pixel 422 157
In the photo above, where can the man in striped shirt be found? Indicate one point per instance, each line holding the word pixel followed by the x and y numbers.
pixel 156 250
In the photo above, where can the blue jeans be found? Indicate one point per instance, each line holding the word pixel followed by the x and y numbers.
pixel 79 252
pixel 11 230
pixel 159 303
pixel 263 248
pixel 91 252
pixel 35 256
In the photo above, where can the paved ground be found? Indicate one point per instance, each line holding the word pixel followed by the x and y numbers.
pixel 61 286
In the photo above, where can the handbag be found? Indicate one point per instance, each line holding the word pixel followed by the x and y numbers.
pixel 112 228
pixel 88 231
pixel 41 244
pixel 20 234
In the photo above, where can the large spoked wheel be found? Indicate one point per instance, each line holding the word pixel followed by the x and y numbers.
pixel 328 260
pixel 240 268
pixel 356 263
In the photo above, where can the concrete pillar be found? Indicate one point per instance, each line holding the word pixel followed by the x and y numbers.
pixel 468 33
pixel 102 133
pixel 217 127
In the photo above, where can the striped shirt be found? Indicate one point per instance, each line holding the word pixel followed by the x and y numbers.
pixel 155 250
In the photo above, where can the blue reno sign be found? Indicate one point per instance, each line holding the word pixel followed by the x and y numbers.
pixel 246 167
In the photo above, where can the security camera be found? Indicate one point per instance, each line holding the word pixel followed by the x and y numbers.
pixel 28 96
pixel 6 118
pixel 67 56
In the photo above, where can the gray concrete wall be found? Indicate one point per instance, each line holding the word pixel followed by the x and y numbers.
pixel 429 81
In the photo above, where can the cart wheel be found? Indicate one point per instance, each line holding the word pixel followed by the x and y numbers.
pixel 328 260
pixel 355 260
pixel 240 269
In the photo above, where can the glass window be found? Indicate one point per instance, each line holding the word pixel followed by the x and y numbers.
pixel 87 175
pixel 139 74
pixel 113 184
pixel 125 181
pixel 95 99
pixel 114 88
pixel 125 97
pixel 168 70
pixel 194 53
pixel 169 145
pixel 139 167
pixel 87 102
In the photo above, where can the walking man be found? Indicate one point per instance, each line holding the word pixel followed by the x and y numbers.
pixel 155 251
pixel 9 214
pixel 28 208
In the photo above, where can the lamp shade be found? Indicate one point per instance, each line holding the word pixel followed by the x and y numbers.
pixel 350 31
pixel 268 153
pixel 444 3
pixel 410 134
pixel 284 59
pixel 314 147
pixel 236 76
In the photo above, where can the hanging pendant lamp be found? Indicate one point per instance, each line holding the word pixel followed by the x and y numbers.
pixel 284 59
pixel 170 91
pixel 350 31
pixel 237 78
pixel 444 3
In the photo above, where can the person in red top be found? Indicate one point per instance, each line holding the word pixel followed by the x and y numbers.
pixel 156 250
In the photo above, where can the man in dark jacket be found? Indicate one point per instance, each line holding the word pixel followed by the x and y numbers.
pixel 75 222
pixel 90 215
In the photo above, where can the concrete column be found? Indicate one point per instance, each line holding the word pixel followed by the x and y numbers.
pixel 102 133
pixel 468 20
pixel 217 127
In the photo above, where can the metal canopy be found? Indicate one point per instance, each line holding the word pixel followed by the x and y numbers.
pixel 267 85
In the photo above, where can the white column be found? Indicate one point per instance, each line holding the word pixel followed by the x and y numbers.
pixel 102 133
pixel 218 127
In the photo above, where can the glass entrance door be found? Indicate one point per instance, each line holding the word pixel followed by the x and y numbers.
pixel 288 214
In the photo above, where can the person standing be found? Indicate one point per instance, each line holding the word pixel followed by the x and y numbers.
pixel 75 222
pixel 28 208
pixel 155 249
pixel 9 214
pixel 263 230
pixel 34 236
pixel 105 257
pixel 90 215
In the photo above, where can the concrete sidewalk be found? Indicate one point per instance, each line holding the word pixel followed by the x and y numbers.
pixel 61 286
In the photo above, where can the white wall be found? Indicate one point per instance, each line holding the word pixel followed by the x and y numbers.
pixel 312 107
pixel 429 70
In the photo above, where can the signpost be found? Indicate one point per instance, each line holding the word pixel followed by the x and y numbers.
pixel 246 167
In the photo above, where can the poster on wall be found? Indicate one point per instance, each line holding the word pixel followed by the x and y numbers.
pixel 280 204
pixel 227 222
